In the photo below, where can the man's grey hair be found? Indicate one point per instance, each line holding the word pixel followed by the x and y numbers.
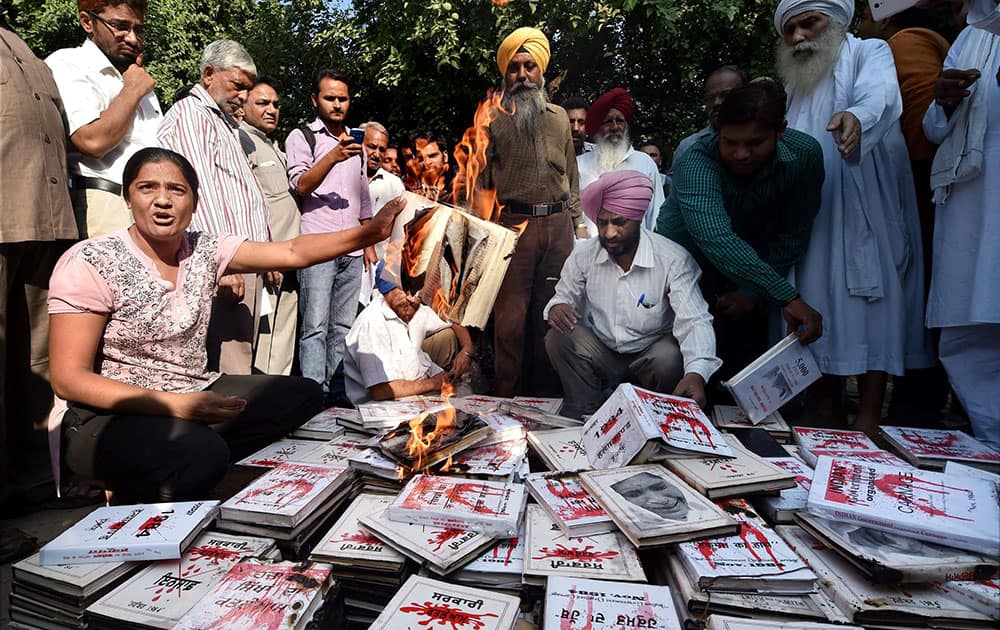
pixel 223 54
pixel 376 126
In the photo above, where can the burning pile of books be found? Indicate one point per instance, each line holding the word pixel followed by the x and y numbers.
pixel 484 513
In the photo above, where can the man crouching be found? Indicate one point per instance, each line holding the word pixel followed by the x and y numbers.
pixel 647 322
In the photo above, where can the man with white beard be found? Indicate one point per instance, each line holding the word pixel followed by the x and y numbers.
pixel 862 268
pixel 607 124
pixel 531 164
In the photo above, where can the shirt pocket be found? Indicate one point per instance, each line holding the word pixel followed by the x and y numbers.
pixel 272 176
pixel 645 318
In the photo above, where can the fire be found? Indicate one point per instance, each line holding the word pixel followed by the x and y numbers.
pixel 471 157
pixel 420 443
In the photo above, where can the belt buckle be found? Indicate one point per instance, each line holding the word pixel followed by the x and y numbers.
pixel 540 210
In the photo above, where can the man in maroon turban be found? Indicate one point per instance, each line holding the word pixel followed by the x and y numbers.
pixel 607 123
pixel 647 322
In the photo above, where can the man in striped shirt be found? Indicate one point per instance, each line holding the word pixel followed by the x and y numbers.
pixel 743 203
pixel 201 127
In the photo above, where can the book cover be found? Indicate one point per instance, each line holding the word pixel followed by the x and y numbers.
pixel 445 549
pixel 893 559
pixel 633 422
pixel 877 456
pixel 159 595
pixel 477 404
pixel 501 459
pixel 774 378
pixel 732 417
pixel 718 477
pixel 809 439
pixel 584 604
pixel 569 504
pixel 934 447
pixel 491 507
pixel 347 542
pixel 954 468
pixel 76 580
pixel 780 509
pixel 261 595
pixel 155 531
pixel 756 559
pixel 326 424
pixel 652 506
pixel 866 602
pixel 285 495
pixel 551 552
pixel 982 596
pixel 504 427
pixel 562 450
pixel 279 452
pixel 373 462
pixel 337 452
pixel 548 405
pixel 389 413
pixel 505 557
pixel 426 603
pixel 952 511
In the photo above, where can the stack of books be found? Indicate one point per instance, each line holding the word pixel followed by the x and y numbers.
pixel 756 560
pixel 369 571
pixel 160 594
pixel 721 622
pixel 653 507
pixel 561 450
pixel 376 473
pixel 260 594
pixel 156 531
pixel 335 452
pixel 376 417
pixel 489 507
pixel 782 508
pixel 500 567
pixel 603 605
pixel 744 474
pixel 933 448
pixel 291 503
pixel 427 603
pixel 498 461
pixel 279 452
pixel 327 425
pixel 732 417
pixel 550 552
pixel 636 425
pixel 568 503
pixel 56 596
pixel 814 443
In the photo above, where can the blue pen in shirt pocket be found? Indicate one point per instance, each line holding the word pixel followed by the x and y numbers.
pixel 643 303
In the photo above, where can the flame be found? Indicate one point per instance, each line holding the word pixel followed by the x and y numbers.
pixel 521 227
pixel 421 444
pixel 471 157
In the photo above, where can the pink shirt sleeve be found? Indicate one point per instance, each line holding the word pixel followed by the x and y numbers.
pixel 228 245
pixel 76 287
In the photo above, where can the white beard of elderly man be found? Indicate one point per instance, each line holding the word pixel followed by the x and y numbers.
pixel 862 268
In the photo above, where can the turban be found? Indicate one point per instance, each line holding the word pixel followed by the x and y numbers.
pixel 840 10
pixel 381 283
pixel 619 99
pixel 530 39
pixel 625 193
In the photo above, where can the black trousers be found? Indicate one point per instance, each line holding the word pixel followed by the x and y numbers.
pixel 161 458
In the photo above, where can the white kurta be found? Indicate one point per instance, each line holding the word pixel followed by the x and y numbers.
pixel 965 283
pixel 862 270
pixel 634 161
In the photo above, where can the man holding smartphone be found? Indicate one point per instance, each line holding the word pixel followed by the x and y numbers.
pixel 326 169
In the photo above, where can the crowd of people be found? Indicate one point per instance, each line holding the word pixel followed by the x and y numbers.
pixel 215 260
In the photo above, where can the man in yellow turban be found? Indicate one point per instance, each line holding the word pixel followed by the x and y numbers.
pixel 531 163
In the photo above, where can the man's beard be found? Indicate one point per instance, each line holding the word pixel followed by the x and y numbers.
pixel 526 102
pixel 803 73
pixel 609 154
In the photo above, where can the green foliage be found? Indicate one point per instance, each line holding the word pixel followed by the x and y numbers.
pixel 425 64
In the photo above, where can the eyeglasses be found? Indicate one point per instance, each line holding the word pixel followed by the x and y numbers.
pixel 119 28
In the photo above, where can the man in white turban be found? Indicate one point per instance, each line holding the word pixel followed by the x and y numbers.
pixel 862 268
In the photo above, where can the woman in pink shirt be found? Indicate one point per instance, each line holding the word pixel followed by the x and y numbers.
pixel 129 316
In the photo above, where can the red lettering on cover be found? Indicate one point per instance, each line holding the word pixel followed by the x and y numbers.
pixel 444 615
pixel 586 554
pixel 893 486
pixel 441 536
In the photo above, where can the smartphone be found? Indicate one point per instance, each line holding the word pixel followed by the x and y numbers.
pixel 882 9
pixel 358 135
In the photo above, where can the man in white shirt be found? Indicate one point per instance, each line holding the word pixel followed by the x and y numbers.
pixel 399 347
pixel 607 123
pixel 646 323
pixel 111 109
pixel 383 187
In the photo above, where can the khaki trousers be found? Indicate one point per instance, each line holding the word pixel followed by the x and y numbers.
pixel 233 329
pixel 99 212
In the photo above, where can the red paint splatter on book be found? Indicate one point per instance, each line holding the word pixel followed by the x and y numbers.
pixel 747 529
pixel 567 622
pixel 214 555
pixel 586 554
pixel 576 502
pixel 360 537
pixel 696 426
pixel 288 492
pixel 441 536
pixel 894 484
pixel 435 614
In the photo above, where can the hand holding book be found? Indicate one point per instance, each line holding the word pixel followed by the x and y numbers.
pixel 806 323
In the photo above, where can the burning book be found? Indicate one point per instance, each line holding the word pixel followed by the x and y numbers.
pixel 502 460
pixel 386 414
pixel 453 260
pixel 433 437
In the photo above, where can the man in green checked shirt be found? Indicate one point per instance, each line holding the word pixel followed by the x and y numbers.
pixel 743 204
